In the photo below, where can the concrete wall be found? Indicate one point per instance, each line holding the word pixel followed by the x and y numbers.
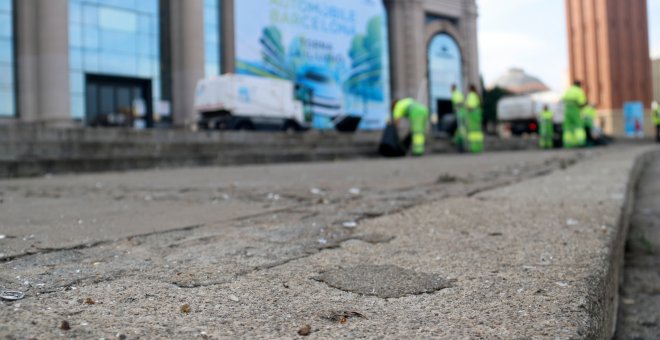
pixel 32 150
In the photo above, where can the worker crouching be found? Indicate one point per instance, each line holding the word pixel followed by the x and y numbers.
pixel 418 116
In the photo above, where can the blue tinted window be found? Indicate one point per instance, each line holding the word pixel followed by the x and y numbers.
pixel 115 38
pixel 6 51
pixel 212 36
pixel 6 77
pixel 445 68
pixel 7 95
pixel 117 20
pixel 5 24
pixel 6 103
pixel 5 6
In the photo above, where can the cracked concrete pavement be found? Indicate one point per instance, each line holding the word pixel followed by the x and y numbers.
pixel 462 247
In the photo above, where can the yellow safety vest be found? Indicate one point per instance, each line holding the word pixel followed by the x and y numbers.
pixel 457 97
pixel 575 94
pixel 473 101
pixel 401 107
pixel 547 115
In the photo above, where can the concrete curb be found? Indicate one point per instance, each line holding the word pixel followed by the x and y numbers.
pixel 27 151
pixel 553 268
pixel 599 290
pixel 615 277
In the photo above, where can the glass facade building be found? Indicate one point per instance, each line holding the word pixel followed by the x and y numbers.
pixel 212 37
pixel 7 76
pixel 113 38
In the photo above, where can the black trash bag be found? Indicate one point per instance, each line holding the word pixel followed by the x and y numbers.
pixel 347 123
pixel 390 145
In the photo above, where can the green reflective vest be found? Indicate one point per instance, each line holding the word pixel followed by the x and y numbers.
pixel 547 115
pixel 576 95
pixel 656 116
pixel 473 101
pixel 457 98
pixel 415 112
pixel 401 108
pixel 547 128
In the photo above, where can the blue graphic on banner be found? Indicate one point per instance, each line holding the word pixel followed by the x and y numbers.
pixel 633 113
pixel 334 52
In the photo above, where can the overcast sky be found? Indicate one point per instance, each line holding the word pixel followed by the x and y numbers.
pixel 531 34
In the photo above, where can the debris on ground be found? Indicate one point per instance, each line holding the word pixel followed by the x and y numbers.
pixel 185 309
pixel 342 316
pixel 89 301
pixel 65 325
pixel 571 222
pixel 447 178
pixel 354 191
pixel 305 330
pixel 316 191
pixel 350 224
pixel 273 197
pixel 234 298
pixel 11 295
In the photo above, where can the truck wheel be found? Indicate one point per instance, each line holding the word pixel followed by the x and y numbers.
pixel 245 125
pixel 290 127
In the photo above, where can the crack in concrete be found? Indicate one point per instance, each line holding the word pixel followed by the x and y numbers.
pixel 440 191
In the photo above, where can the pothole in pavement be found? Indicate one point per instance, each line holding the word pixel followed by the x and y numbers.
pixel 384 281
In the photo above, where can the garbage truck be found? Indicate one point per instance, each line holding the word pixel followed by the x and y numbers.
pixel 243 102
pixel 518 115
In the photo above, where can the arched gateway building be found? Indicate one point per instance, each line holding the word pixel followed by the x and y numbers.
pixel 68 62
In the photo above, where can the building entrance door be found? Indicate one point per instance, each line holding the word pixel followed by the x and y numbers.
pixel 118 102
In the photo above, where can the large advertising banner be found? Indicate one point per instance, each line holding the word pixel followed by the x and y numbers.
pixel 335 52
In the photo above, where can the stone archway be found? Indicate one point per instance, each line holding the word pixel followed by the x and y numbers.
pixel 438 27
pixel 445 65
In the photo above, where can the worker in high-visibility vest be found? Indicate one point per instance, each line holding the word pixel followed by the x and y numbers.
pixel 418 116
pixel 589 115
pixel 458 101
pixel 574 99
pixel 547 129
pixel 474 118
pixel 656 120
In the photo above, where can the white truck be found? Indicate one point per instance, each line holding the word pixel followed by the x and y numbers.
pixel 518 115
pixel 242 102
